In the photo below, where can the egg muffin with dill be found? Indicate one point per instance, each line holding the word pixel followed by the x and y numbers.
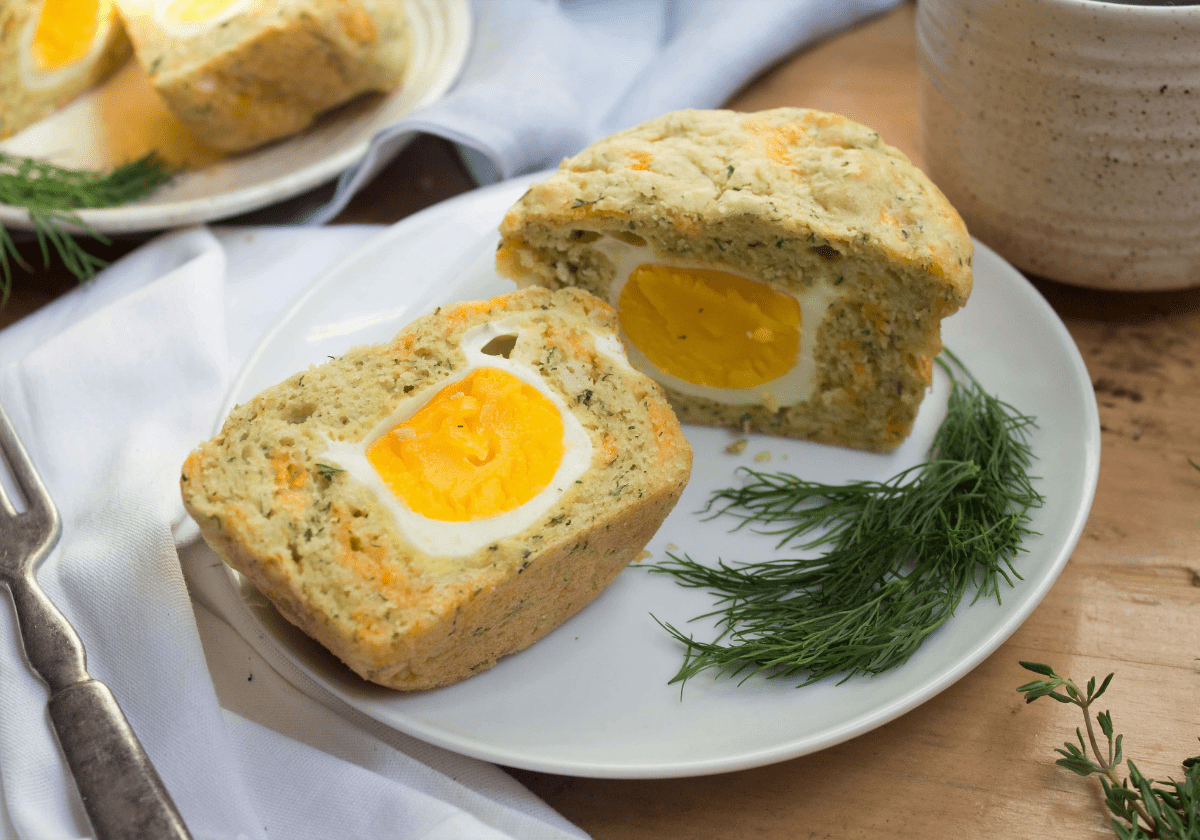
pixel 425 507
pixel 784 271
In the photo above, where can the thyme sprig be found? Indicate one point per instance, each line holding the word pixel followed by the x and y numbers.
pixel 52 194
pixel 1141 810
pixel 897 557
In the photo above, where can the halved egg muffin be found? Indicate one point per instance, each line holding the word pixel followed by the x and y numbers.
pixel 783 271
pixel 240 73
pixel 50 52
pixel 425 507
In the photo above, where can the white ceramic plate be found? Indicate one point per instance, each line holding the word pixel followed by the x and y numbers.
pixel 592 698
pixel 105 127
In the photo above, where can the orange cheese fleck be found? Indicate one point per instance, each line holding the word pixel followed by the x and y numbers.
pixel 641 160
pixel 876 316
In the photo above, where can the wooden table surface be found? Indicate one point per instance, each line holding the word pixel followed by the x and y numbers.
pixel 974 761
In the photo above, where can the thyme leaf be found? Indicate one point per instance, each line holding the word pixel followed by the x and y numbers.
pixel 895 558
pixel 52 194
pixel 1141 810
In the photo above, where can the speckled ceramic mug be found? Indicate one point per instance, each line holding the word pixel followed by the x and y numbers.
pixel 1067 133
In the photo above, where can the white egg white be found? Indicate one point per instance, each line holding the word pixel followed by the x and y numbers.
pixel 796 385
pixel 455 539
pixel 177 28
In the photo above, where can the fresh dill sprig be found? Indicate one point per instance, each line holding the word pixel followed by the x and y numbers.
pixel 895 557
pixel 327 471
pixel 1141 810
pixel 52 194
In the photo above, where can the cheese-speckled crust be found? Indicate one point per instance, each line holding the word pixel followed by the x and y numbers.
pixel 273 68
pixel 26 97
pixel 790 197
pixel 330 557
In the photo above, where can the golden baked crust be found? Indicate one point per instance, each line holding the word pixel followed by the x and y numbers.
pixel 27 95
pixel 794 198
pixel 325 550
pixel 274 67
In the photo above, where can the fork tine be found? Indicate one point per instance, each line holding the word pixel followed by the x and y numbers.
pixel 37 497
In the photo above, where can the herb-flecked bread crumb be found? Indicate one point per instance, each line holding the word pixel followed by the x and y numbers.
pixel 328 554
pixel 794 198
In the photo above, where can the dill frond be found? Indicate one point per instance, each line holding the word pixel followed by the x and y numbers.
pixel 895 558
pixel 52 194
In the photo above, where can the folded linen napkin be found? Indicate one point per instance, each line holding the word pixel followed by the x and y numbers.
pixel 111 385
pixel 544 79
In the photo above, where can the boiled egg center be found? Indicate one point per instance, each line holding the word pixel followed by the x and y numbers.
pixel 482 446
pixel 713 333
pixel 482 458
pixel 710 327
pixel 66 30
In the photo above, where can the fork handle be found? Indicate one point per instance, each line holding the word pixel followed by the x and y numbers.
pixel 51 644
pixel 121 791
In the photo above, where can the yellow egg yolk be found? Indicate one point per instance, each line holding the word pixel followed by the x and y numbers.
pixel 196 11
pixel 65 31
pixel 710 327
pixel 482 446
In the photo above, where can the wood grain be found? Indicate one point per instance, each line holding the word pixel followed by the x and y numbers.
pixel 975 761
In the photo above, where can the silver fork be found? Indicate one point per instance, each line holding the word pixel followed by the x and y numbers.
pixel 121 791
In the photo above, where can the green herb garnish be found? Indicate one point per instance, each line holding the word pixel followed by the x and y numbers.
pixel 327 471
pixel 51 194
pixel 1141 809
pixel 898 556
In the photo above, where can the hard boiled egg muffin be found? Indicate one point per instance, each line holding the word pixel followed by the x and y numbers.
pixel 783 271
pixel 241 73
pixel 50 52
pixel 424 507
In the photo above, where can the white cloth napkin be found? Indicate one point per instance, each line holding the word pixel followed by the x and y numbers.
pixel 114 384
pixel 543 79
pixel 110 387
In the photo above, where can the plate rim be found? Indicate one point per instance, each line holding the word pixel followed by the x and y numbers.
pixel 137 217
pixel 898 705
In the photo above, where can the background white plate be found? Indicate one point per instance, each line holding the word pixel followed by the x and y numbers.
pixel 79 137
pixel 592 698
